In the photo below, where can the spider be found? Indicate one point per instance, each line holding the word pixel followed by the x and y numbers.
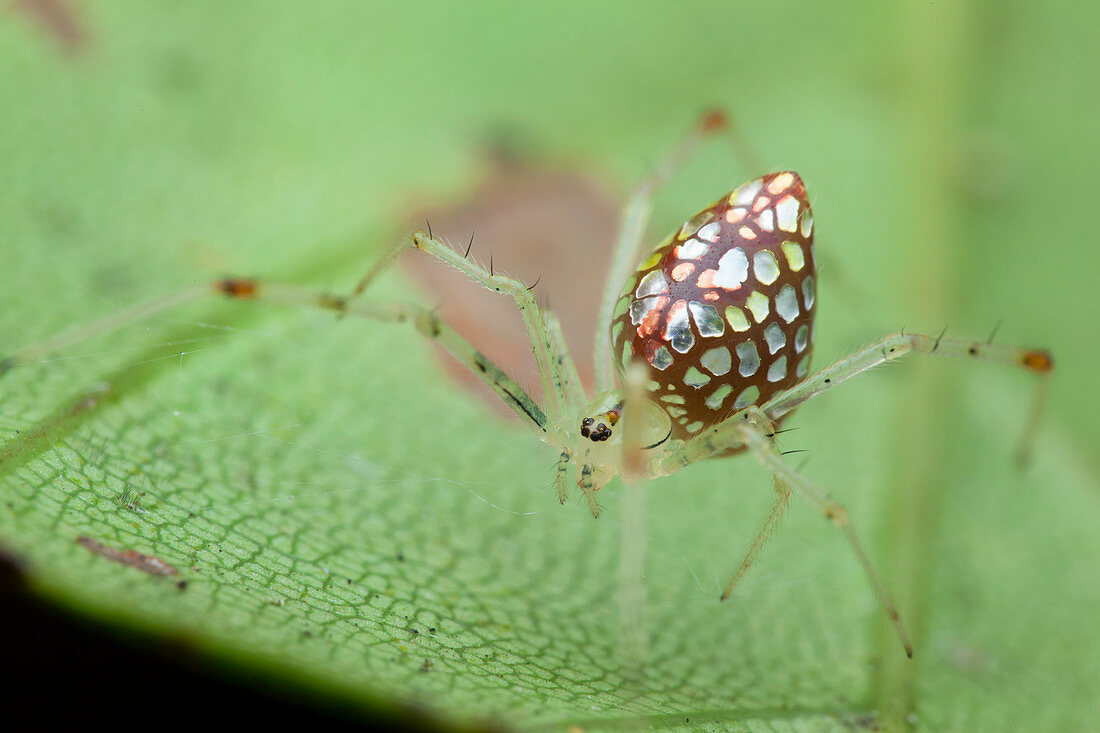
pixel 709 338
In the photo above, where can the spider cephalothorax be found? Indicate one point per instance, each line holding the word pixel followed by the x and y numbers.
pixel 599 427
pixel 601 417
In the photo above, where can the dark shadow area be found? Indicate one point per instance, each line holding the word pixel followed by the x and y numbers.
pixel 63 670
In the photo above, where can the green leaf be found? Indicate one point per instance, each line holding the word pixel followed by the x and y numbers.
pixel 347 518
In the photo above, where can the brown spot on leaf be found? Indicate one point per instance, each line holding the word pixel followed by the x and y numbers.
pixel 553 225
pixel 58 19
pixel 130 558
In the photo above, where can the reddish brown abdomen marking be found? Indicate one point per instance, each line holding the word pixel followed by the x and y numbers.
pixel 723 311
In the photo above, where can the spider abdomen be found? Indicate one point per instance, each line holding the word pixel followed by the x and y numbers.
pixel 722 312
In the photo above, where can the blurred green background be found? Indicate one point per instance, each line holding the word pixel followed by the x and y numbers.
pixel 350 522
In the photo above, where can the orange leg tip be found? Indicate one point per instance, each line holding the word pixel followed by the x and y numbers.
pixel 238 287
pixel 1038 361
pixel 713 120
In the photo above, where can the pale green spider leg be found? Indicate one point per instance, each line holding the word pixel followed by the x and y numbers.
pixel 555 367
pixel 43 349
pixel 567 376
pixel 634 639
pixel 898 345
pixel 552 362
pixel 751 428
pixel 387 257
pixel 731 433
pixel 782 498
pixel 550 373
pixel 424 320
pixel 632 226
pixel 567 370
pixel 430 325
pixel 635 395
pixel 559 354
pixel 759 436
pixel 574 396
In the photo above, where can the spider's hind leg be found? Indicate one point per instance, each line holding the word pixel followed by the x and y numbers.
pixel 782 496
pixel 758 434
pixel 384 261
pixel 632 227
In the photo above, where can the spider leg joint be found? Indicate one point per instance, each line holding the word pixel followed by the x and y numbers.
pixel 1038 360
pixel 714 120
pixel 238 287
pixel 428 324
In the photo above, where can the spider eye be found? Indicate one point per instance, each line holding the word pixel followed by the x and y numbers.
pixel 602 432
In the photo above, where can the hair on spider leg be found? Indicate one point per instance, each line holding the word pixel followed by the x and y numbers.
pixel 429 225
pixel 995 330
pixel 469 246
pixel 532 286
pixel 939 338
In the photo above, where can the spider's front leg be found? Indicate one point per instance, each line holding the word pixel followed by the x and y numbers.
pixel 551 371
pixel 251 289
pixel 756 430
pixel 562 391
pixel 895 346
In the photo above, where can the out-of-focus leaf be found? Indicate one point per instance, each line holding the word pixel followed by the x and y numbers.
pixel 345 516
